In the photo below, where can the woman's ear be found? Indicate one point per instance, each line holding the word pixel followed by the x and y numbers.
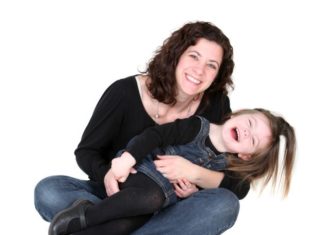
pixel 244 157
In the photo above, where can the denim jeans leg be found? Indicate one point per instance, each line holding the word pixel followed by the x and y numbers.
pixel 209 211
pixel 56 193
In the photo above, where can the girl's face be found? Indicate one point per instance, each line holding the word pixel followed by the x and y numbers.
pixel 246 134
pixel 198 67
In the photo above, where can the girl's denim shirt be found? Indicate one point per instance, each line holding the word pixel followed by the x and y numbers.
pixel 195 151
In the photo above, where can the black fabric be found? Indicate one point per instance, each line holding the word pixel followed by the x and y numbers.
pixel 139 195
pixel 116 227
pixel 119 116
pixel 180 132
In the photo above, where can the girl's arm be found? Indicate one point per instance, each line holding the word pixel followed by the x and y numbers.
pixel 178 132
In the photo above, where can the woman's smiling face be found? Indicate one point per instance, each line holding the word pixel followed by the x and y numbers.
pixel 198 66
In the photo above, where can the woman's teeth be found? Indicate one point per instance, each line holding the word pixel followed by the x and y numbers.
pixel 193 80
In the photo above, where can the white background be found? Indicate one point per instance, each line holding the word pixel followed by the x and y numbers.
pixel 58 57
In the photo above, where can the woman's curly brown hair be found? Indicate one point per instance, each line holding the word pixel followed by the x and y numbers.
pixel 161 68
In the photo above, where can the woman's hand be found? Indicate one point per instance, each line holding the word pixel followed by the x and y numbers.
pixel 175 167
pixel 111 183
pixel 183 188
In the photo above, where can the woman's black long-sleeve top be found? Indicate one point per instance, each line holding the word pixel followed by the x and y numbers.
pixel 119 116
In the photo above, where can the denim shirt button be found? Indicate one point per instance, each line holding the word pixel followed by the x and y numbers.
pixel 210 156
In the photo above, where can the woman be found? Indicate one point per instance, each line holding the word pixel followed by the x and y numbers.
pixel 190 74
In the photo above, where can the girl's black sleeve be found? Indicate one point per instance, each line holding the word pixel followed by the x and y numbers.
pixel 178 132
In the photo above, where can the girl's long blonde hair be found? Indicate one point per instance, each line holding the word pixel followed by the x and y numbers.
pixel 265 164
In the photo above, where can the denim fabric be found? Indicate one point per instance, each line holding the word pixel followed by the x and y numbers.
pixel 56 193
pixel 209 211
pixel 196 151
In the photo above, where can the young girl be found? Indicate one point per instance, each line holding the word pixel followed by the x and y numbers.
pixel 247 143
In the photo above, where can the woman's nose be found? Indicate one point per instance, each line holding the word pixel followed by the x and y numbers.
pixel 199 68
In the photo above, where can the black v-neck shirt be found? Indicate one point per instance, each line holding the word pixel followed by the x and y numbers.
pixel 119 116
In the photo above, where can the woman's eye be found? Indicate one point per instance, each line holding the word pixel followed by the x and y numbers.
pixel 193 56
pixel 212 66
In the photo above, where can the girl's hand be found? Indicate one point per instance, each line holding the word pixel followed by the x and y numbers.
pixel 175 167
pixel 183 188
pixel 122 166
pixel 111 181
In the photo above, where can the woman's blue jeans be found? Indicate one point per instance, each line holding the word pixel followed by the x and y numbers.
pixel 209 211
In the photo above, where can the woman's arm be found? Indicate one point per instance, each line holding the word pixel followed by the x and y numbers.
pixel 236 185
pixel 206 178
pixel 176 167
pixel 101 131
